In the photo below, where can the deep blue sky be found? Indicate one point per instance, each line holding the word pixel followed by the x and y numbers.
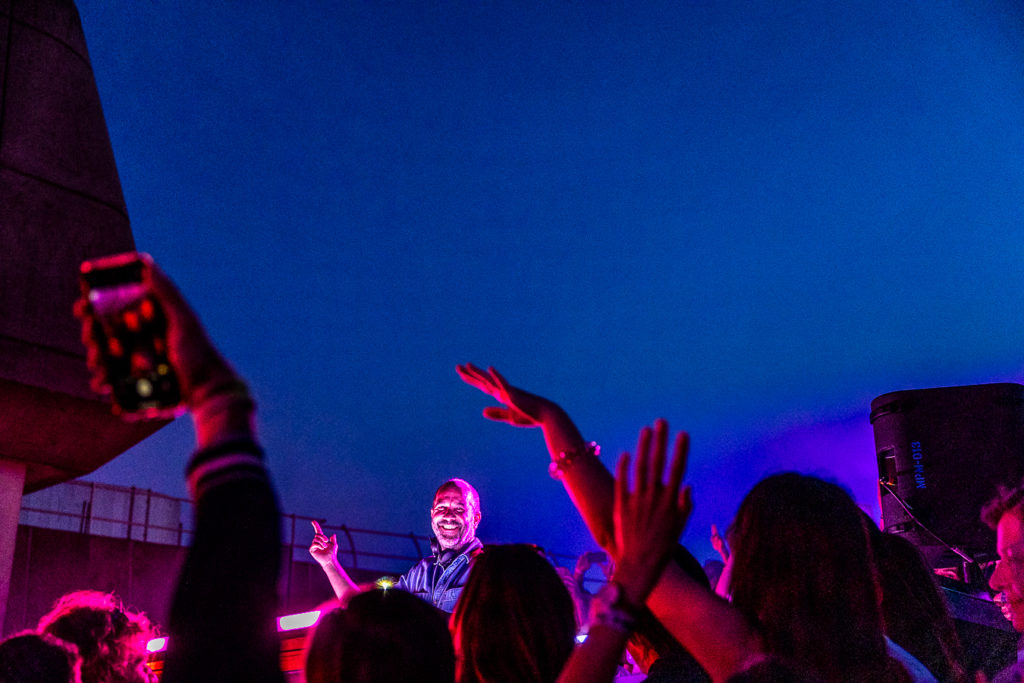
pixel 749 218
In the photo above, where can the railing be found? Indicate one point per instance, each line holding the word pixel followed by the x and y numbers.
pixel 143 515
pixel 115 511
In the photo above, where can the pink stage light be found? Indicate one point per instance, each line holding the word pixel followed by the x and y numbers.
pixel 300 620
pixel 157 645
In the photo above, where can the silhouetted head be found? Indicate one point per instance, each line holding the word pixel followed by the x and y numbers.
pixel 382 636
pixel 803 572
pixel 38 657
pixel 514 620
pixel 111 641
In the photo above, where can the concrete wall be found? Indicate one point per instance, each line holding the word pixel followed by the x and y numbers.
pixel 49 563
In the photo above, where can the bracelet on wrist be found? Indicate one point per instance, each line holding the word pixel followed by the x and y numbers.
pixel 565 459
pixel 242 445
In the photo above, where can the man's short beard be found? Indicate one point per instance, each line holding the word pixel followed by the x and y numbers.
pixel 448 543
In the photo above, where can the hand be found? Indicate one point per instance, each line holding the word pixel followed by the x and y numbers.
pixel 324 550
pixel 196 361
pixel 650 518
pixel 521 408
pixel 718 543
pixel 588 559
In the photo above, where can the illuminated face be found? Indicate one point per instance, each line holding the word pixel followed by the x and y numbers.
pixel 1009 574
pixel 454 516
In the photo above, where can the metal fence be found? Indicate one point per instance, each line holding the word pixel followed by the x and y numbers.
pixel 115 511
pixel 144 515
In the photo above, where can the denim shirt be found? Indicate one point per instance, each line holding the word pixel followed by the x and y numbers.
pixel 437 584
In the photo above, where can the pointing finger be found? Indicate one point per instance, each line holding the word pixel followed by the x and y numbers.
pixel 316 527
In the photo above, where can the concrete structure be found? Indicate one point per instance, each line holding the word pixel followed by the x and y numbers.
pixel 60 203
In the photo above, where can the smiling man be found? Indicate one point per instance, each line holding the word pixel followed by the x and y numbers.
pixel 454 517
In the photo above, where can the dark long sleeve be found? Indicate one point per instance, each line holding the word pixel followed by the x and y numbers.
pixel 223 617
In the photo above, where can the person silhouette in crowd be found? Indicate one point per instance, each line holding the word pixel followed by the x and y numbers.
pixel 515 620
pixel 39 658
pixel 914 611
pixel 110 640
pixel 381 636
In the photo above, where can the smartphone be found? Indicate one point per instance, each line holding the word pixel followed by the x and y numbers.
pixel 131 337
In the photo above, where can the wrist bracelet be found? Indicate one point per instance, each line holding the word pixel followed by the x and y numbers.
pixel 242 445
pixel 564 460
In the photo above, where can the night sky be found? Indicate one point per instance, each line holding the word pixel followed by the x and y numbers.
pixel 747 218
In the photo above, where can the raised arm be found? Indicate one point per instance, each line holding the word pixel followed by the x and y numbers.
pixel 325 551
pixel 589 484
pixel 719 544
pixel 222 619
pixel 714 632
pixel 648 520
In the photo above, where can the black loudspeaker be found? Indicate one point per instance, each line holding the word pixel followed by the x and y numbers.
pixel 943 452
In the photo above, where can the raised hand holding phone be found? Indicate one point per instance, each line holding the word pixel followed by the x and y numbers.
pixel 127 338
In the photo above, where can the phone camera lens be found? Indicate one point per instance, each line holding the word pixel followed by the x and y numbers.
pixel 144 388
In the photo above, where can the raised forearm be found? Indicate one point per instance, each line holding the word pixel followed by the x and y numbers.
pixel 714 632
pixel 222 410
pixel 588 482
pixel 560 433
pixel 342 584
pixel 236 517
pixel 724 579
pixel 592 490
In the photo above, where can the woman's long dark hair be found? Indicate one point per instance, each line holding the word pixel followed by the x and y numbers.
pixel 914 611
pixel 803 571
pixel 381 636
pixel 514 620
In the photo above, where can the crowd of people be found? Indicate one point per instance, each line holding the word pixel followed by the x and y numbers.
pixel 808 588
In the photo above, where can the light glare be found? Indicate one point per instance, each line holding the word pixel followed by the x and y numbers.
pixel 156 645
pixel 291 622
